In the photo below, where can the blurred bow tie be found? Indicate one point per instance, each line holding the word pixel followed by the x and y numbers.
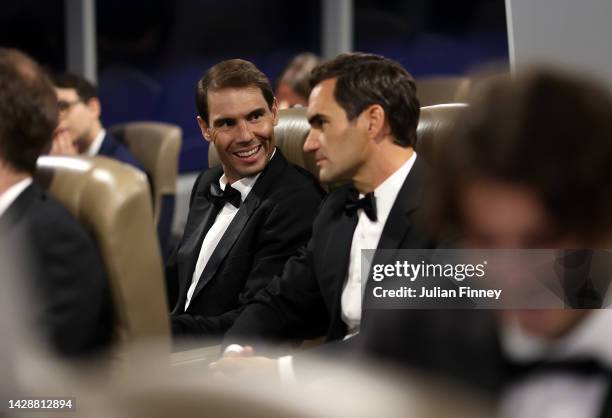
pixel 585 366
pixel 366 203
pixel 220 197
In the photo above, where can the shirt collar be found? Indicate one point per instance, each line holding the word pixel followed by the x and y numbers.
pixel 12 193
pixel 96 144
pixel 245 184
pixel 589 338
pixel 387 191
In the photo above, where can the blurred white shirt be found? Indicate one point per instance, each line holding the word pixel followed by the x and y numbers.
pixel 559 394
pixel 96 144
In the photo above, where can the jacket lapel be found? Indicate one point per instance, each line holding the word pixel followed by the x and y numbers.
pixel 400 219
pixel 396 233
pixel 202 215
pixel 407 201
pixel 108 146
pixel 16 211
pixel 336 262
pixel 263 184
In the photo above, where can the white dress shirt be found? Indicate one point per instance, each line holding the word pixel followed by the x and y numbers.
pixel 12 193
pixel 96 144
pixel 559 395
pixel 366 236
pixel 217 230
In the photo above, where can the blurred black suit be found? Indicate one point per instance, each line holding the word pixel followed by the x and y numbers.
pixel 67 271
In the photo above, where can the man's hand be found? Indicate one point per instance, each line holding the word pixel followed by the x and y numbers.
pixel 245 367
pixel 236 350
pixel 63 144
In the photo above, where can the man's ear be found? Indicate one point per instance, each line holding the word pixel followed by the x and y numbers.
pixel 204 129
pixel 94 107
pixel 274 110
pixel 375 117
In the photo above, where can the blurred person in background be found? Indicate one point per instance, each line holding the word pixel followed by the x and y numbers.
pixel 246 217
pixel 293 85
pixel 73 295
pixel 528 166
pixel 80 129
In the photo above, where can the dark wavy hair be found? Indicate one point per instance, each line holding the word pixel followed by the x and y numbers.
pixel 367 79
pixel 83 87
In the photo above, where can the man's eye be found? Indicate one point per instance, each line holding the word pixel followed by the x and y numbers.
pixel 225 123
pixel 256 116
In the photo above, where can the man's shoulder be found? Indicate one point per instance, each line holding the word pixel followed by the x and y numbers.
pixel 49 220
pixel 296 177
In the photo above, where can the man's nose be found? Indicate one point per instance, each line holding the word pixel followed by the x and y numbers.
pixel 63 124
pixel 312 141
pixel 244 131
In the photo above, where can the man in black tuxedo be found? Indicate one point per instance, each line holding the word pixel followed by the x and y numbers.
pixel 247 217
pixel 80 130
pixel 363 113
pixel 69 281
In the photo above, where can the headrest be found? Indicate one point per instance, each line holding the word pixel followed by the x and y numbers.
pixel 112 200
pixel 433 123
pixel 442 89
pixel 156 145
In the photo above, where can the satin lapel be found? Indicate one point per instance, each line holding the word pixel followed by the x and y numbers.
pixel 201 217
pixel 400 219
pixel 265 182
pixel 336 262
pixel 227 242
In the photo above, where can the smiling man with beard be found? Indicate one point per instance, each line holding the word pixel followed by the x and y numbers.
pixel 247 217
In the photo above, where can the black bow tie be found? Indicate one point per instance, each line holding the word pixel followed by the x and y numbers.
pixel 220 197
pixel 366 203
pixel 574 366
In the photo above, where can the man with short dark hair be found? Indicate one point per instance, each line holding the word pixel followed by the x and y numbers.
pixel 363 113
pixel 80 130
pixel 67 272
pixel 293 85
pixel 247 217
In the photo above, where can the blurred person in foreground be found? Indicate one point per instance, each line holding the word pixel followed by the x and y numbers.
pixel 528 166
pixel 68 274
pixel 80 129
pixel 246 217
pixel 293 85
pixel 363 113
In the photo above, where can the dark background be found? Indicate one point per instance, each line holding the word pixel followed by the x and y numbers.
pixel 151 53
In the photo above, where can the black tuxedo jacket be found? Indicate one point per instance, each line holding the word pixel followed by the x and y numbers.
pixel 68 278
pixel 272 223
pixel 305 300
